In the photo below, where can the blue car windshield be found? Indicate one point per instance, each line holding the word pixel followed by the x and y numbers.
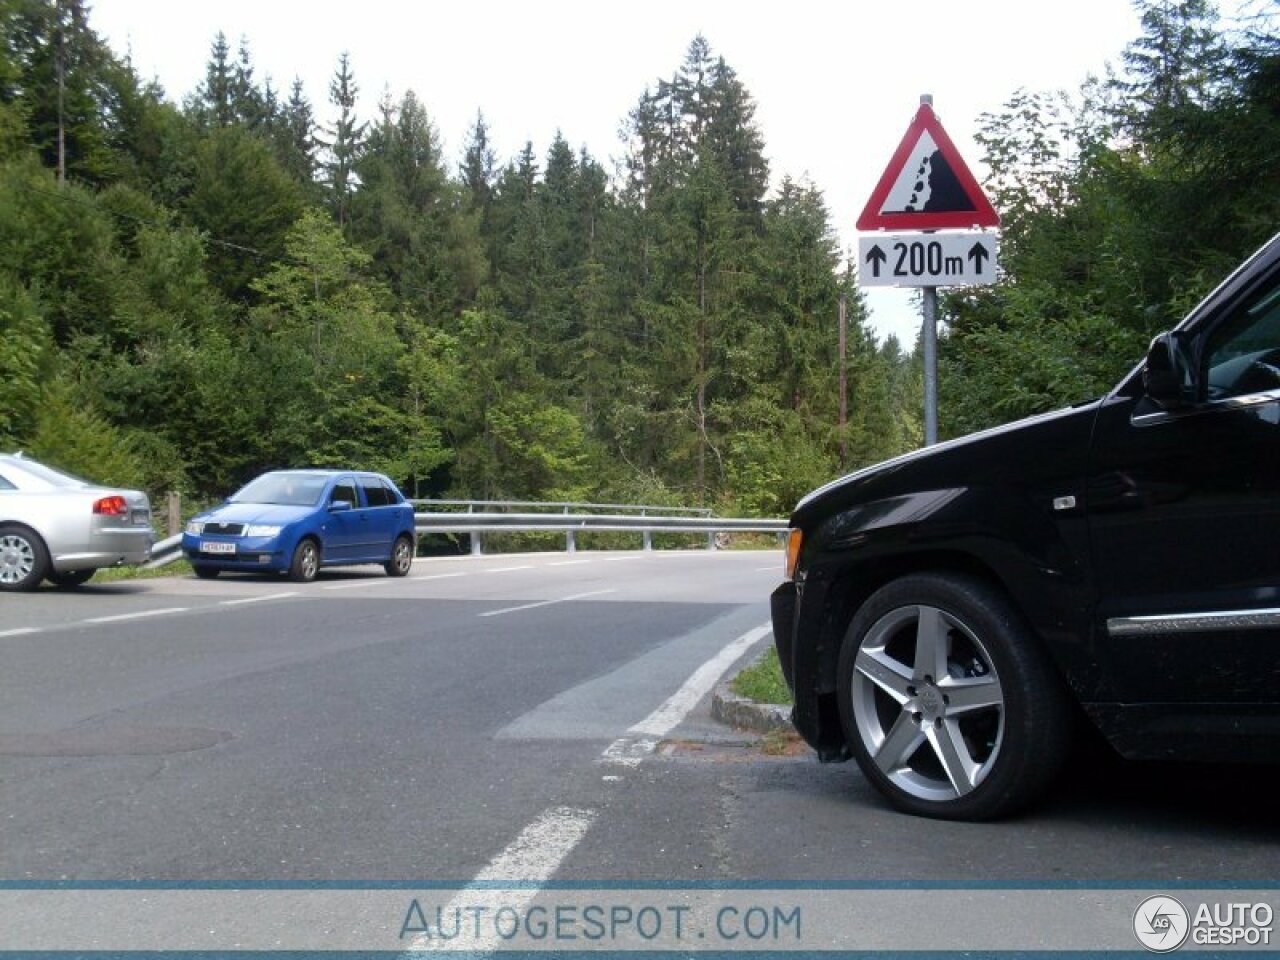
pixel 292 489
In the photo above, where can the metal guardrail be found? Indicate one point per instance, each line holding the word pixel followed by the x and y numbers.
pixel 164 552
pixel 564 506
pixel 643 520
pixel 571 524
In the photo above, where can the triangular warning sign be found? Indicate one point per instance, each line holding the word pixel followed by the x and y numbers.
pixel 927 185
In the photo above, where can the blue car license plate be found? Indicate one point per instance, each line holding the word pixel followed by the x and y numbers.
pixel 216 546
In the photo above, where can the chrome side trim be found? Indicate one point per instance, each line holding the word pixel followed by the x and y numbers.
pixel 1194 622
pixel 1242 402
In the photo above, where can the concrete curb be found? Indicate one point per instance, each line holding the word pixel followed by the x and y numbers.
pixel 745 714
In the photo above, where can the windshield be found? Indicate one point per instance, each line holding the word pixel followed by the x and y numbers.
pixel 292 489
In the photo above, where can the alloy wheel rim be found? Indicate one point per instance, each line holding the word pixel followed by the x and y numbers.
pixel 17 559
pixel 309 560
pixel 927 703
pixel 403 559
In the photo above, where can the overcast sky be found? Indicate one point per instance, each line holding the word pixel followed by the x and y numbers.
pixel 835 83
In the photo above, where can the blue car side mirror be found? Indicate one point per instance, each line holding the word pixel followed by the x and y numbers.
pixel 339 505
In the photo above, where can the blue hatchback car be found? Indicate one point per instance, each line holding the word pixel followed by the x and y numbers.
pixel 297 521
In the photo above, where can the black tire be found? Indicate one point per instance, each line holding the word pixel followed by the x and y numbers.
pixel 24 560
pixel 401 561
pixel 306 561
pixel 70 578
pixel 203 572
pixel 981 741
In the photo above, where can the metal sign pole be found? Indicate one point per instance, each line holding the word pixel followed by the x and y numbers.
pixel 930 366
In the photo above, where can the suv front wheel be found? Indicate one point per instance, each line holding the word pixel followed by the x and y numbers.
pixel 949 705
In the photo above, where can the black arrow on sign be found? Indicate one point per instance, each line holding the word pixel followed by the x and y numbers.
pixel 876 257
pixel 978 253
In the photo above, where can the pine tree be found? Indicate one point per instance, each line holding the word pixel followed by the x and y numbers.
pixel 735 141
pixel 248 105
pixel 348 141
pixel 213 104
pixel 404 212
pixel 57 66
pixel 478 169
pixel 296 143
pixel 1174 62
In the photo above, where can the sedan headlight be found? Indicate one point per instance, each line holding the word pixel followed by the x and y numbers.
pixel 195 527
pixel 262 530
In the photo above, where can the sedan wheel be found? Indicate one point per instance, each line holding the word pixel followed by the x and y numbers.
pixel 23 559
pixel 949 706
pixel 306 562
pixel 401 561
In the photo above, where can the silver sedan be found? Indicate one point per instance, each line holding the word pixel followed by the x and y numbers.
pixel 59 528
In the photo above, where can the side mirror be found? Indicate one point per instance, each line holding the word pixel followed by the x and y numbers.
pixel 337 506
pixel 1169 376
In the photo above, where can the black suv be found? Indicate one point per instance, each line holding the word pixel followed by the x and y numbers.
pixel 946 611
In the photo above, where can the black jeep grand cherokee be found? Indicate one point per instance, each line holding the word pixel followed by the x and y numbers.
pixel 945 609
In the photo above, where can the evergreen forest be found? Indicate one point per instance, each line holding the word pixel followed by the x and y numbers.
pixel 194 291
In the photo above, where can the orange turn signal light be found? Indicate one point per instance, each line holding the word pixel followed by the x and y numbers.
pixel 794 539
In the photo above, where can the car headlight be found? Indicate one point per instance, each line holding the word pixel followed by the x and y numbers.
pixel 262 530
pixel 195 527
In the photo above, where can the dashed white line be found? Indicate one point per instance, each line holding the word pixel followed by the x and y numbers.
pixel 352 586
pixel 567 563
pixel 137 616
pixel 544 603
pixel 19 631
pixel 268 596
pixel 438 576
pixel 527 566
pixel 528 862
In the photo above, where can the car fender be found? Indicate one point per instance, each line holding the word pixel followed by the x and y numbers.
pixel 1008 536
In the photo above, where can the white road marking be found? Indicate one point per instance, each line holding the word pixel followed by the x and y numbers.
pixel 530 860
pixel 137 616
pixel 629 751
pixel 269 596
pixel 439 576
pixel 527 566
pixel 545 603
pixel 371 581
pixel 642 738
pixel 567 563
pixel 775 569
pixel 18 632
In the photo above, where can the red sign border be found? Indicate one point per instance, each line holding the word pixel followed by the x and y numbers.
pixel 982 214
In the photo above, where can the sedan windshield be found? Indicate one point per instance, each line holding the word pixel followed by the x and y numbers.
pixel 293 489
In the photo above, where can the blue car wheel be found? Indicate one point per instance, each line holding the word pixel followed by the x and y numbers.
pixel 306 562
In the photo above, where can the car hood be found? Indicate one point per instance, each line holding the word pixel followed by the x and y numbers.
pixel 983 457
pixel 274 513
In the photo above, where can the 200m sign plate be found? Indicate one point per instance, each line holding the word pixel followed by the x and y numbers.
pixel 926 259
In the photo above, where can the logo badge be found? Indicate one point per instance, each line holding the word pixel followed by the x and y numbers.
pixel 1161 924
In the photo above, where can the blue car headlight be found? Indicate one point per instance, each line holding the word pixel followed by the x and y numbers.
pixel 195 527
pixel 263 530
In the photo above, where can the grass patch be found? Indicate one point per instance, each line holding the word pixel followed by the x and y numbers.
pixel 762 681
pixel 179 568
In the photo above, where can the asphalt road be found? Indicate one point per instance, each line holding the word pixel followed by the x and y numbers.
pixel 366 729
